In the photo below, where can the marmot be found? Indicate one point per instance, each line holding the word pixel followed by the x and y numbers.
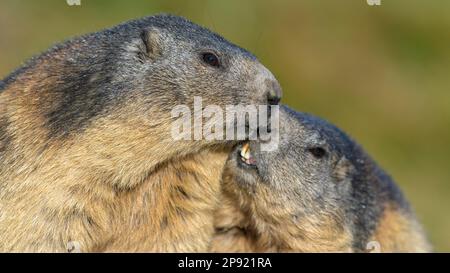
pixel 318 192
pixel 87 160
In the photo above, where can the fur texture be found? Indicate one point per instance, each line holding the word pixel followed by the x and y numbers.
pixel 86 152
pixel 318 192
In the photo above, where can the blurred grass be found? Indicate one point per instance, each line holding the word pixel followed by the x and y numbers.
pixel 380 73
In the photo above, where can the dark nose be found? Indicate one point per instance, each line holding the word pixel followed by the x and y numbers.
pixel 274 93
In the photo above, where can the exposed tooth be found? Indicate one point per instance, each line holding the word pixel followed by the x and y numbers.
pixel 244 155
pixel 245 151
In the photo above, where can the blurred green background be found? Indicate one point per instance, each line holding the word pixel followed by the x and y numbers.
pixel 379 72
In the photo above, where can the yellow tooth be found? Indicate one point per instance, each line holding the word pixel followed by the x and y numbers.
pixel 245 151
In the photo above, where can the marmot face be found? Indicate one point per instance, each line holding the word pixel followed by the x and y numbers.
pixel 298 191
pixel 168 61
pixel 319 191
pixel 311 164
pixel 175 60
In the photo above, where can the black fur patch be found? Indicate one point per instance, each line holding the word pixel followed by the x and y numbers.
pixel 80 101
pixel 366 211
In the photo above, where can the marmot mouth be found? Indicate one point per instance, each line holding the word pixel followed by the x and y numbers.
pixel 245 156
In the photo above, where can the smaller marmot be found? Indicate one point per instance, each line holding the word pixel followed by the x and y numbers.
pixel 318 192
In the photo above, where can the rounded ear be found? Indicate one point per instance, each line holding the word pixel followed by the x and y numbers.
pixel 152 39
pixel 343 169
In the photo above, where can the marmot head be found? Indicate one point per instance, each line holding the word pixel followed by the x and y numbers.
pixel 140 71
pixel 162 60
pixel 167 61
pixel 304 194
pixel 176 60
pixel 180 60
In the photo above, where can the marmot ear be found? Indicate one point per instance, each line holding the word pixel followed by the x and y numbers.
pixel 343 169
pixel 152 40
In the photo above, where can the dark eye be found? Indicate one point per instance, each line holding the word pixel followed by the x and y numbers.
pixel 318 152
pixel 211 59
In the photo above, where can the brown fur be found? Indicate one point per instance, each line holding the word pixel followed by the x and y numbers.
pixel 168 208
pixel 87 158
pixel 173 210
pixel 399 232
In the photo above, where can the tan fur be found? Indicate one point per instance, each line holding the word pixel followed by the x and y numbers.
pixel 81 190
pixel 398 232
pixel 255 221
pixel 182 197
pixel 170 210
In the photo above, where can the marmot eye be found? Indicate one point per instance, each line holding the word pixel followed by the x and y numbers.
pixel 317 152
pixel 211 59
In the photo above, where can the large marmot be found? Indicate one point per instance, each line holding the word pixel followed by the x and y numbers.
pixel 318 192
pixel 87 159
